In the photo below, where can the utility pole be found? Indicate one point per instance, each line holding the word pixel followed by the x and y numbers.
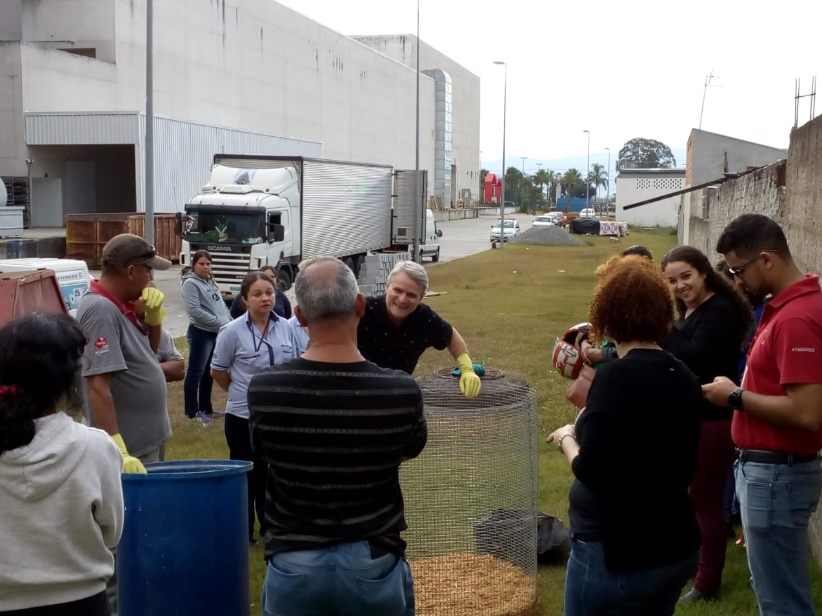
pixel 588 172
pixel 522 184
pixel 608 190
pixel 148 229
pixel 419 207
pixel 708 80
pixel 502 179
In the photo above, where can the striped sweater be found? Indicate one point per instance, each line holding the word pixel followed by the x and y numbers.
pixel 334 436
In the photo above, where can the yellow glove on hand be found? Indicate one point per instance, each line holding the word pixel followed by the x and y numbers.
pixel 470 383
pixel 153 301
pixel 130 463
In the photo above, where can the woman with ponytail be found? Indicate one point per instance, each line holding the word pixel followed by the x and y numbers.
pixel 61 501
pixel 714 319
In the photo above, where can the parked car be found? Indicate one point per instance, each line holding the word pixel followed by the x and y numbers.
pixel 588 212
pixel 510 230
pixel 546 220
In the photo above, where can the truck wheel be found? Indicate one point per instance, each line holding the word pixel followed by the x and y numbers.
pixel 436 257
pixel 349 263
pixel 284 276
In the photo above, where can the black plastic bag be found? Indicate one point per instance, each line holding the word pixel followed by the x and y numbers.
pixel 553 540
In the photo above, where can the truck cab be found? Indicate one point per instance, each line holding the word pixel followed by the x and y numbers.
pixel 243 227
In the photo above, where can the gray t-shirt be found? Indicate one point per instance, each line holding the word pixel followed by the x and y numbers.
pixel 167 351
pixel 138 385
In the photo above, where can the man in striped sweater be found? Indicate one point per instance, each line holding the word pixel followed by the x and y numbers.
pixel 334 429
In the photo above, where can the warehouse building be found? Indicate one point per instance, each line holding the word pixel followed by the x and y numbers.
pixel 247 77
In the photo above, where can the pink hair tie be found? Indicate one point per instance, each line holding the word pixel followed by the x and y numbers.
pixel 10 391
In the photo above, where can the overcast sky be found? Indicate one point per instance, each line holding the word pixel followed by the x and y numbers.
pixel 622 70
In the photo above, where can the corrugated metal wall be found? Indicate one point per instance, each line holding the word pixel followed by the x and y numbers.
pixel 82 128
pixel 184 153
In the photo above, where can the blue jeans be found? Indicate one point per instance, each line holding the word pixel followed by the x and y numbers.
pixel 198 376
pixel 342 579
pixel 776 502
pixel 592 590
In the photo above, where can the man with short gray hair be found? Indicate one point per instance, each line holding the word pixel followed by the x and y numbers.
pixel 334 429
pixel 397 328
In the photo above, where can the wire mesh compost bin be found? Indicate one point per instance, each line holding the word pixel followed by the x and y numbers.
pixel 471 499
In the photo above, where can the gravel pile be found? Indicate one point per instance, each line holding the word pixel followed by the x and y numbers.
pixel 548 236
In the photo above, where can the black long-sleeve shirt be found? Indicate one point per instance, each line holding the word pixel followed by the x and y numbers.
pixel 638 446
pixel 709 342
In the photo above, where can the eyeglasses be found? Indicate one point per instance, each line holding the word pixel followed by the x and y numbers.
pixel 740 271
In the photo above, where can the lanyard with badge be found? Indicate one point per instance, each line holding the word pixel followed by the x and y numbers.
pixel 262 340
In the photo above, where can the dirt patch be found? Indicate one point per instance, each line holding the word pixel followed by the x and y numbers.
pixel 548 236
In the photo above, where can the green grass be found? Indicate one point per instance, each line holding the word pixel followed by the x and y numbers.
pixel 510 305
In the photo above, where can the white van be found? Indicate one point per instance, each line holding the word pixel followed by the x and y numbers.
pixel 430 246
pixel 72 276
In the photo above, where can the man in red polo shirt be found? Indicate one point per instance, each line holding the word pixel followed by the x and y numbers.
pixel 777 426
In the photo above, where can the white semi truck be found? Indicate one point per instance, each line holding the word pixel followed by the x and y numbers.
pixel 279 210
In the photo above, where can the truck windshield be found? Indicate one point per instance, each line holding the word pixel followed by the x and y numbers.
pixel 228 228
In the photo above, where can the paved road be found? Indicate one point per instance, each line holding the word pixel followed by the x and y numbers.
pixel 460 238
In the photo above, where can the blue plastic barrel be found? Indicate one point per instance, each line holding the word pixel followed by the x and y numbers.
pixel 184 549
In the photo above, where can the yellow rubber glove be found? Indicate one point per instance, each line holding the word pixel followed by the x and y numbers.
pixel 153 301
pixel 130 463
pixel 470 383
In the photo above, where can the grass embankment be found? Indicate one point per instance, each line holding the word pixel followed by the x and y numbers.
pixel 510 305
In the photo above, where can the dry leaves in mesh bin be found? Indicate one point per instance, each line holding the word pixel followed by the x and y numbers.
pixel 470 585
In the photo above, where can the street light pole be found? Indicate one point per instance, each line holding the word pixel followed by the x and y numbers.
pixel 502 180
pixel 522 184
pixel 419 207
pixel 588 172
pixel 148 227
pixel 608 190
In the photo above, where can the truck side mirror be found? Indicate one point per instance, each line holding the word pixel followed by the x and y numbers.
pixel 178 224
pixel 276 233
pixel 439 232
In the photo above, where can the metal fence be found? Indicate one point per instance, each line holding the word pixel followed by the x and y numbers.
pixel 471 499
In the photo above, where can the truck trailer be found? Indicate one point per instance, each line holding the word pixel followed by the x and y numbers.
pixel 280 210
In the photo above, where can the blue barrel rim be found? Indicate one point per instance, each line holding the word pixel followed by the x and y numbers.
pixel 176 470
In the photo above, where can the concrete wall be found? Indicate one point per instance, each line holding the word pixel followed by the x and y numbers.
pixel 707 153
pixel 634 186
pixel 55 24
pixel 12 128
pixel 762 191
pixel 256 65
pixel 11 20
pixel 466 101
pixel 251 65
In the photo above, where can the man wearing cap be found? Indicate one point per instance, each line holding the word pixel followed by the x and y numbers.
pixel 125 386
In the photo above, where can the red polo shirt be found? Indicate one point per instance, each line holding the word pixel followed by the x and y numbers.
pixel 787 349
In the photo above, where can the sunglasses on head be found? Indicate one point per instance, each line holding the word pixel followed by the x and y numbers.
pixel 739 271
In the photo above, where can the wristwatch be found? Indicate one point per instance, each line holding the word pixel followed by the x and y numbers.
pixel 735 399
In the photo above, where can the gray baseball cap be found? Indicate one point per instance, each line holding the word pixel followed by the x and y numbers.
pixel 127 249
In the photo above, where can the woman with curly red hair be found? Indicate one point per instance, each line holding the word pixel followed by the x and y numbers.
pixel 633 453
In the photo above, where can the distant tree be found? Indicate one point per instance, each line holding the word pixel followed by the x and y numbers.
pixel 513 191
pixel 543 178
pixel 572 183
pixel 640 153
pixel 483 173
pixel 597 177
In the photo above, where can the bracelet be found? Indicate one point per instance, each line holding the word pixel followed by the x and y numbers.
pixel 559 445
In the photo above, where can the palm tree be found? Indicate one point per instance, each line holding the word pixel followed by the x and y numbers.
pixel 570 180
pixel 597 177
pixel 543 178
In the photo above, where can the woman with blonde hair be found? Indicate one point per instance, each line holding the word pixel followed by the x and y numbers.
pixel 633 454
